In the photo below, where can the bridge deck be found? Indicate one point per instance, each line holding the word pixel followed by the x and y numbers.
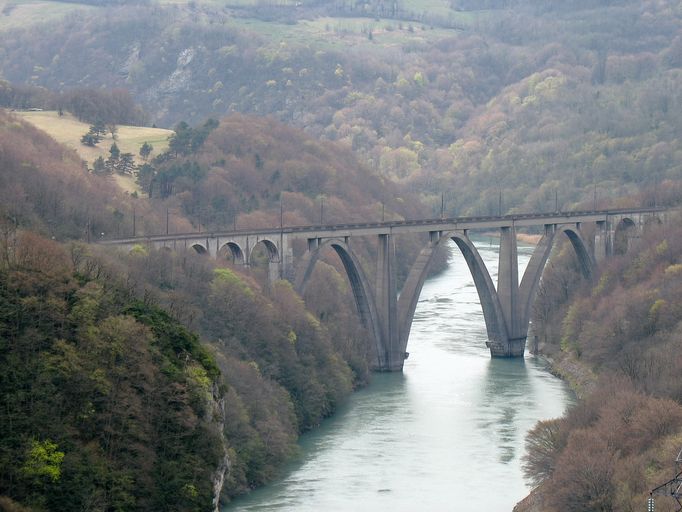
pixel 399 227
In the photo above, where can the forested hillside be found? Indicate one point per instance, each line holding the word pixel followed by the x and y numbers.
pixel 619 340
pixel 550 102
pixel 247 172
pixel 109 404
pixel 46 188
pixel 108 335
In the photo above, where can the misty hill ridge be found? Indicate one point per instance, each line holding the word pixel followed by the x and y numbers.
pixel 534 98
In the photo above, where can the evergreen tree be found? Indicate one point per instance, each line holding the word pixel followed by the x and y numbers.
pixel 114 155
pixel 94 135
pixel 146 150
pixel 126 164
pixel 114 152
pixel 89 139
pixel 99 165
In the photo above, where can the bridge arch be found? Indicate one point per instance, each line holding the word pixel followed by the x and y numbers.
pixel 582 251
pixel 232 250
pixel 362 292
pixel 271 250
pixel 490 301
pixel 409 295
pixel 536 267
pixel 503 333
pixel 625 230
pixel 199 248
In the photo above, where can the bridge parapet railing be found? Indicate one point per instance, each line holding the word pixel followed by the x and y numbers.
pixel 409 225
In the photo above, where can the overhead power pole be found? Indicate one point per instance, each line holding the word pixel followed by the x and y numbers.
pixel 672 487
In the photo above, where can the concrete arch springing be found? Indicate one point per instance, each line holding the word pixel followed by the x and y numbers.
pixel 625 230
pixel 232 251
pixel 409 295
pixel 362 294
pixel 490 302
pixel 585 258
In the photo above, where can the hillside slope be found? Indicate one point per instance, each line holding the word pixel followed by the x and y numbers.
pixel 537 99
pixel 621 440
pixel 108 402
pixel 68 130
pixel 276 368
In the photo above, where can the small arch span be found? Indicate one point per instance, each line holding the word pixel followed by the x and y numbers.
pixel 199 249
pixel 233 252
pixel 271 251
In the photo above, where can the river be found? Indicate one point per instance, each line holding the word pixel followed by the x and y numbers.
pixel 445 435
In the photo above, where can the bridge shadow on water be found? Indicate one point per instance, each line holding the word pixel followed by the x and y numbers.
pixel 506 390
pixel 514 396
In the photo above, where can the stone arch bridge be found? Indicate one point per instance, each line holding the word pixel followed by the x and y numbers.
pixel 387 315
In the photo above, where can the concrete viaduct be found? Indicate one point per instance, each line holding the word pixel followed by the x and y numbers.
pixel 387 315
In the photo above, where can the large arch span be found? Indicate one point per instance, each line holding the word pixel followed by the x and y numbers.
pixel 506 308
pixel 365 302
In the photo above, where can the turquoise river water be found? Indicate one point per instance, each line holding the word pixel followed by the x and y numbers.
pixel 445 435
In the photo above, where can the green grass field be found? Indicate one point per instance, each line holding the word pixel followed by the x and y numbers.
pixel 335 33
pixel 68 130
pixel 24 13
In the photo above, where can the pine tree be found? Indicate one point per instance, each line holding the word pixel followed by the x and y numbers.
pixel 146 150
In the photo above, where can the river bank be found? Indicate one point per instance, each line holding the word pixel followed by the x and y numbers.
pixel 582 381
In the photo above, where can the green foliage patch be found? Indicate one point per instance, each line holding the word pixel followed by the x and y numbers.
pixel 91 411
pixel 174 340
